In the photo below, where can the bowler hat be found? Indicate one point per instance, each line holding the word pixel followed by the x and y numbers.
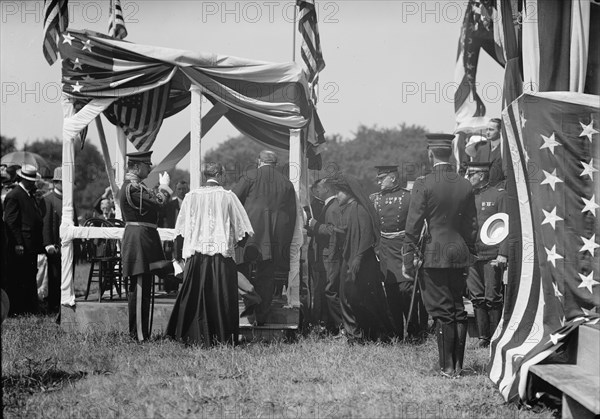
pixel 57 174
pixel 28 172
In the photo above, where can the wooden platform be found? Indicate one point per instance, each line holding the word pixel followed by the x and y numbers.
pixel 578 380
pixel 112 316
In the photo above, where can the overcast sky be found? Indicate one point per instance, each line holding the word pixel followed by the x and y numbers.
pixel 388 62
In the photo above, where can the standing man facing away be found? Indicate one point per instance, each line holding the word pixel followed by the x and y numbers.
pixel 270 201
pixel 485 276
pixel 446 201
pixel 141 245
pixel 23 215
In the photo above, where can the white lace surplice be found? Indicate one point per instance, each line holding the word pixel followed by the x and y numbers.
pixel 211 220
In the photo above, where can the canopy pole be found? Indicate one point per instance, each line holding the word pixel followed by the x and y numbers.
pixel 195 137
pixel 120 168
pixel 294 35
pixel 107 161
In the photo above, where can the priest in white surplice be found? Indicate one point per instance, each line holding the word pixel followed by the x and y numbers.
pixel 211 222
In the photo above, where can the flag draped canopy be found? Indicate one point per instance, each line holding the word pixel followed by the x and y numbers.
pixel 553 187
pixel 137 86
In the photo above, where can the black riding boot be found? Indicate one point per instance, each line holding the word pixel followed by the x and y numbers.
pixel 459 346
pixel 445 339
pixel 483 326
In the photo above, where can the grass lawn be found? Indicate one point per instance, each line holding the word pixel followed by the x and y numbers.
pixel 47 372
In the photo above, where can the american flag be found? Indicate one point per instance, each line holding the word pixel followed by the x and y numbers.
pixel 56 20
pixel 116 23
pixel 553 186
pixel 312 56
pixel 477 32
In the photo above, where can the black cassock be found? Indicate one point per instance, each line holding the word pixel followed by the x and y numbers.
pixel 365 310
pixel 270 201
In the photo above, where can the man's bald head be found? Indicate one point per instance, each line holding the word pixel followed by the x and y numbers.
pixel 267 157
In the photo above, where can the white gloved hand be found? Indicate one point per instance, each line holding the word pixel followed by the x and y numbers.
pixel 164 178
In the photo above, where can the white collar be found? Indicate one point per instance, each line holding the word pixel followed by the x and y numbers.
pixel 440 163
pixel 328 200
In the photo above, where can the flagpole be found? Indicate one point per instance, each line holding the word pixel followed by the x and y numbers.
pixel 294 35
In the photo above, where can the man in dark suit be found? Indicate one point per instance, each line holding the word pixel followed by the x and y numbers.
pixel 445 200
pixel 170 213
pixel 491 151
pixel 328 253
pixel 270 201
pixel 23 215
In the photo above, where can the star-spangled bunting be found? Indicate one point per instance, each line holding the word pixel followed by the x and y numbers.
pixel 552 255
pixel 550 143
pixel 590 205
pixel 588 169
pixel 553 219
pixel 551 179
pixel 588 130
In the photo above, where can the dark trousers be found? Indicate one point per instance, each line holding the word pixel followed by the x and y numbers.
pixel 332 294
pixel 442 291
pixel 485 285
pixel 21 284
pixel 318 303
pixel 132 298
pixel 54 280
pixel 396 301
pixel 264 285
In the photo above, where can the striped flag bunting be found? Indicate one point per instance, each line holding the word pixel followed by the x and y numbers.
pixel 116 23
pixel 312 56
pixel 147 84
pixel 477 33
pixel 553 190
pixel 56 21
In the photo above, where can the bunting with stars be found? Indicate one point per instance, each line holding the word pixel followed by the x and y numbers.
pixel 553 189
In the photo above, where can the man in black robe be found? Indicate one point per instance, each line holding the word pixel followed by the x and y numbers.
pixel 270 201
pixel 141 246
pixel 365 311
pixel 445 200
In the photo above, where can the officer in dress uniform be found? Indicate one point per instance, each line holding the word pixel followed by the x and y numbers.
pixel 391 204
pixel 446 201
pixel 485 276
pixel 141 246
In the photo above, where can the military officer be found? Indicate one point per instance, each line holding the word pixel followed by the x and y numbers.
pixel 141 245
pixel 391 204
pixel 446 202
pixel 485 276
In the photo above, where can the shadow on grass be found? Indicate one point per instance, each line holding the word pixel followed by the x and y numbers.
pixel 34 377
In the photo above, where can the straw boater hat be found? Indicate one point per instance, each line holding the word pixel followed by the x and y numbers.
pixel 28 172
pixel 495 229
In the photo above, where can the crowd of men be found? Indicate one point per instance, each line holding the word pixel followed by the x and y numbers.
pixel 379 265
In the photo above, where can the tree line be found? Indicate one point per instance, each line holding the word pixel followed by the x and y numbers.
pixel 366 148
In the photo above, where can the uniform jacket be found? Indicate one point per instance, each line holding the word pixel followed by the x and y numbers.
pixel 140 203
pixel 23 215
pixel 270 201
pixel 392 209
pixel 447 202
pixel 490 200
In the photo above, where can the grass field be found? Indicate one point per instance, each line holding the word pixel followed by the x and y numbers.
pixel 47 372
